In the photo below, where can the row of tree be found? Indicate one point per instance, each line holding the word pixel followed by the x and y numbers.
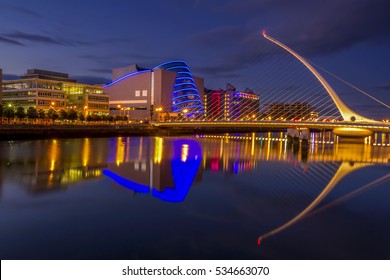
pixel 33 114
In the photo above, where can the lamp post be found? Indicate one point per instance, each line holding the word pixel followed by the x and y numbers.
pixel 159 111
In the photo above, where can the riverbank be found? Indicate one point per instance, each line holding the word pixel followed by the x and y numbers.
pixel 39 131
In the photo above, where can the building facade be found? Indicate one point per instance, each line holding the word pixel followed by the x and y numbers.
pixel 290 111
pixel 168 88
pixel 231 104
pixel 43 89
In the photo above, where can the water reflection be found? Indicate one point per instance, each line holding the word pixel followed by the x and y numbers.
pixel 236 186
pixel 164 166
pixel 168 176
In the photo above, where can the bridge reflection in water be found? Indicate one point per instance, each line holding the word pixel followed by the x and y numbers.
pixel 257 182
pixel 159 164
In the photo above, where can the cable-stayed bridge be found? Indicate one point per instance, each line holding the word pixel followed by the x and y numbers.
pixel 294 95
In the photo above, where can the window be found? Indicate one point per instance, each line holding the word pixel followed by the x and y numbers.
pixel 137 93
pixel 144 92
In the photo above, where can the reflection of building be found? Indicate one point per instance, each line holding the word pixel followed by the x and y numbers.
pixel 50 165
pixel 290 111
pixel 43 89
pixel 137 92
pixel 230 104
pixel 165 167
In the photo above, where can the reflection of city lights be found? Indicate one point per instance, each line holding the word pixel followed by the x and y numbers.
pixel 158 150
pixel 120 151
pixel 184 152
pixel 86 150
pixel 53 155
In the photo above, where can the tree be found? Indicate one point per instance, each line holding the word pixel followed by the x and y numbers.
pixel 63 115
pixel 72 115
pixel 41 114
pixel 32 113
pixel 20 113
pixel 1 110
pixel 89 118
pixel 52 114
pixel 55 116
pixel 81 117
pixel 9 112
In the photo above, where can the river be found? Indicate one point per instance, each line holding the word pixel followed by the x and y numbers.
pixel 195 197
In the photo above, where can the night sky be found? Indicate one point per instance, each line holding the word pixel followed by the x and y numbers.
pixel 88 38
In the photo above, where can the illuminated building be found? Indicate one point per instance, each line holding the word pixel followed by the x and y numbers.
pixel 170 87
pixel 231 104
pixel 290 111
pixel 43 89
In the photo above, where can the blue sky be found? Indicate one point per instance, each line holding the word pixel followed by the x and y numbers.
pixel 88 38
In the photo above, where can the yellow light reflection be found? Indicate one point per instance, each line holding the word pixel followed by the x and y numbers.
pixel 184 152
pixel 53 155
pixel 86 151
pixel 120 151
pixel 158 150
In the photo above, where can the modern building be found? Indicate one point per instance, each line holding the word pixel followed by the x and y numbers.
pixel 290 111
pixel 168 88
pixel 44 89
pixel 231 104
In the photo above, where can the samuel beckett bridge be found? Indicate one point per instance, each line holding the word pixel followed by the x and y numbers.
pixel 294 95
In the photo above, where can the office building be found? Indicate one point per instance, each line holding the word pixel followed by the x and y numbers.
pixel 44 89
pixel 290 111
pixel 230 104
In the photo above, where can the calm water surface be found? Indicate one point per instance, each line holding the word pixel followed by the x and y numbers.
pixel 193 198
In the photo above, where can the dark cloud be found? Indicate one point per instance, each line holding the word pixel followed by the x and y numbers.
pixel 100 70
pixel 37 38
pixel 383 87
pixel 220 36
pixel 22 10
pixel 91 80
pixel 309 27
pixel 10 41
pixel 10 77
pixel 221 70
pixel 107 62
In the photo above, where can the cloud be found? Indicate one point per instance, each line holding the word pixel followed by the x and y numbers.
pixel 100 70
pixel 383 87
pixel 22 10
pixel 221 36
pixel 311 28
pixel 10 77
pixel 10 41
pixel 37 38
pixel 108 61
pixel 91 80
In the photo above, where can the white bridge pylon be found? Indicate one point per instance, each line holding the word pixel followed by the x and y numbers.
pixel 345 111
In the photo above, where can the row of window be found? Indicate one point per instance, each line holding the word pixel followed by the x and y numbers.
pixel 138 93
pixel 97 106
pixel 51 94
pixel 18 94
pixel 98 98
pixel 49 103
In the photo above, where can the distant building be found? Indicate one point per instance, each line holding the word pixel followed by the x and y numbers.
pixel 43 89
pixel 168 88
pixel 290 111
pixel 231 104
